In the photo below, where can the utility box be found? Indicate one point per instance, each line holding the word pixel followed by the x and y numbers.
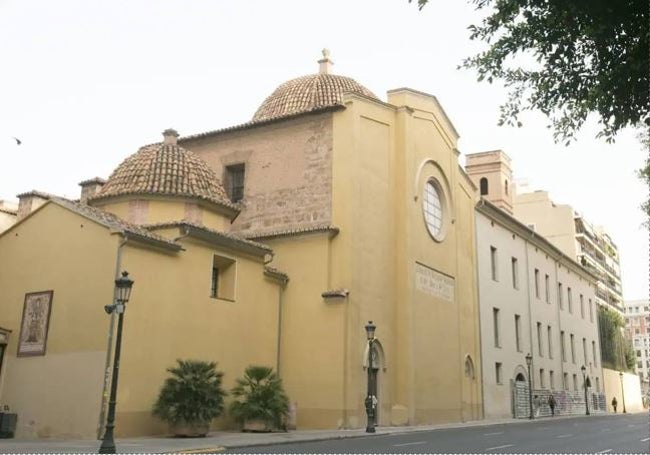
pixel 8 422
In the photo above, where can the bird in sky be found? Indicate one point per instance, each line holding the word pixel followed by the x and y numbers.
pixel 18 141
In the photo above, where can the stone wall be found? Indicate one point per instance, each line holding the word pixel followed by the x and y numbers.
pixel 567 402
pixel 288 171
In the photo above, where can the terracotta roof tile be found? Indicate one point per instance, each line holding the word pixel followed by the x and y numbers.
pixel 308 93
pixel 165 169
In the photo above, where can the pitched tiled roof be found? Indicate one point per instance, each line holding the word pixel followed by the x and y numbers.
pixel 294 231
pixel 165 169
pixel 308 93
pixel 113 222
pixel 225 238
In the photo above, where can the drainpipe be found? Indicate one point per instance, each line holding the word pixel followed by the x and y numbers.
pixel 109 349
pixel 283 284
pixel 478 305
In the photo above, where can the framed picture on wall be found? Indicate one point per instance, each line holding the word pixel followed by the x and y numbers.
pixel 35 323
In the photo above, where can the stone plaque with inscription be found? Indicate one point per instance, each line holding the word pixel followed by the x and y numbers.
pixel 434 283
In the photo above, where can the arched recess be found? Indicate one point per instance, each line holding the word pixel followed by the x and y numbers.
pixel 470 406
pixel 436 173
pixel 520 373
pixel 483 184
pixel 379 358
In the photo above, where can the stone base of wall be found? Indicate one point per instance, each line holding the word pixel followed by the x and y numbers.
pixel 567 402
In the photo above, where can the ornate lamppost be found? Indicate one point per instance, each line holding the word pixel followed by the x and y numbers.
pixel 620 375
pixel 529 362
pixel 584 383
pixel 369 402
pixel 123 287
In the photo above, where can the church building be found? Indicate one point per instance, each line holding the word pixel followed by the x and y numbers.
pixel 273 242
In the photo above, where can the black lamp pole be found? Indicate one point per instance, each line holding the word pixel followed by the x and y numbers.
pixel 584 382
pixel 529 362
pixel 370 408
pixel 620 375
pixel 123 287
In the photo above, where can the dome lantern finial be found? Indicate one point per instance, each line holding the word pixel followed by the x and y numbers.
pixel 325 64
pixel 171 136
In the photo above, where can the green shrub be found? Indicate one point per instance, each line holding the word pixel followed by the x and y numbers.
pixel 193 394
pixel 259 396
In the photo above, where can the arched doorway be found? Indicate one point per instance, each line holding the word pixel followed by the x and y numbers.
pixel 519 392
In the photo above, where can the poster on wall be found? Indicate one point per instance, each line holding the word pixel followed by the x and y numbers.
pixel 35 323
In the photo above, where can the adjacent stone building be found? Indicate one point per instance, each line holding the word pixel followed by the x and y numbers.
pixel 637 328
pixel 534 299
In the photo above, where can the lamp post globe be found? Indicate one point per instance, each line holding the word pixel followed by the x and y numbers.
pixel 122 294
pixel 529 362
pixel 584 384
pixel 370 401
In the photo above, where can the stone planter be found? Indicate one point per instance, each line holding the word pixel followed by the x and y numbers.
pixel 256 426
pixel 190 430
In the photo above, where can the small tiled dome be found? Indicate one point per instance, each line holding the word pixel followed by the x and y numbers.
pixel 165 169
pixel 309 93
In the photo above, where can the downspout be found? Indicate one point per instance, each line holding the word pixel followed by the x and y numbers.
pixel 283 284
pixel 109 348
pixel 478 302
pixel 559 325
pixel 530 311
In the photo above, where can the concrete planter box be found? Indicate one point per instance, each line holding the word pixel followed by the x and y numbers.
pixel 190 430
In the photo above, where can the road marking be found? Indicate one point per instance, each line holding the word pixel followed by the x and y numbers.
pixel 493 434
pixel 605 451
pixel 410 444
pixel 564 436
pixel 499 447
pixel 646 439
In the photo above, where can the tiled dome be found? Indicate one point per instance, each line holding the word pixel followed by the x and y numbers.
pixel 165 169
pixel 309 93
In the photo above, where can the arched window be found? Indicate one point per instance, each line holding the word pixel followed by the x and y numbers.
pixel 506 187
pixel 484 186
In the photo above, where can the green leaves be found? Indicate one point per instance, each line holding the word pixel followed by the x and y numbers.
pixel 193 393
pixel 593 56
pixel 259 395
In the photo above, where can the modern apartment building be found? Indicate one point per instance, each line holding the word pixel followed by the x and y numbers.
pixel 590 245
pixel 637 327
pixel 533 299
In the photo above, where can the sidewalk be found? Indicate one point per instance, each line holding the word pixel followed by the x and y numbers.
pixel 218 441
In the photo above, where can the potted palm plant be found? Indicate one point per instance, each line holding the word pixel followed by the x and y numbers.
pixel 260 403
pixel 191 397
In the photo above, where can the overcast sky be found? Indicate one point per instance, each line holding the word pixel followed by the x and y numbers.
pixel 85 83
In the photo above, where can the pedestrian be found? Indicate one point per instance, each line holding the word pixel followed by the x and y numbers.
pixel 536 405
pixel 614 403
pixel 551 404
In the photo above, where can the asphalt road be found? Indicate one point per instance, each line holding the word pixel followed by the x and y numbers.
pixel 620 433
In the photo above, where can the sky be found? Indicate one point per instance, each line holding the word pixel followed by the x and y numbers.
pixel 85 83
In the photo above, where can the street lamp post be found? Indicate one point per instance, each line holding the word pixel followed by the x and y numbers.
pixel 529 362
pixel 123 287
pixel 370 406
pixel 584 383
pixel 620 375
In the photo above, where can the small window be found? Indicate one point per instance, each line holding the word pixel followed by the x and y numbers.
pixel 235 181
pixel 597 385
pixel 506 187
pixel 551 379
pixel 593 353
pixel 499 372
pixel 515 273
pixel 484 186
pixel 434 211
pixel 575 382
pixel 562 349
pixel 540 349
pixel 495 321
pixel 591 312
pixel 541 378
pixel 547 289
pixel 582 306
pixel 584 350
pixel 570 299
pixel 494 263
pixel 223 278
pixel 573 349
pixel 518 332
pixel 559 296
pixel 565 381
pixel 537 283
pixel 550 344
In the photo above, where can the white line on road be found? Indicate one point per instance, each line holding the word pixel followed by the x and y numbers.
pixel 605 451
pixel 409 443
pixel 499 447
pixel 564 436
pixel 646 439
pixel 493 434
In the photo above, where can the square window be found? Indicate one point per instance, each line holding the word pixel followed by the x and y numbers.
pixel 235 181
pixel 224 274
pixel 499 373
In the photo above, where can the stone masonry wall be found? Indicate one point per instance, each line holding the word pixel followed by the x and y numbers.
pixel 288 171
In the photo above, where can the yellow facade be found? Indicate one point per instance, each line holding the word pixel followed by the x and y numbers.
pixel 335 196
